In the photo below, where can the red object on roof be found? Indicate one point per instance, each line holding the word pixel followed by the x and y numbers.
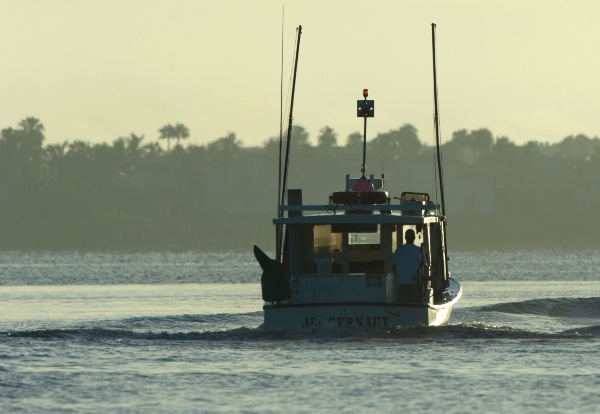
pixel 362 185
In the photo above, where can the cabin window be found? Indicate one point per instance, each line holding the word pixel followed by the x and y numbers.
pixel 325 241
pixel 394 239
pixel 371 236
pixel 402 232
pixel 364 251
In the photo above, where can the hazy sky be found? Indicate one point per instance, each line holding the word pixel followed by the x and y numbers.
pixel 98 70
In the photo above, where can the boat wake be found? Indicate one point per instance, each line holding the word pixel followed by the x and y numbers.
pixel 245 327
pixel 555 307
pixel 422 334
pixel 102 334
pixel 223 319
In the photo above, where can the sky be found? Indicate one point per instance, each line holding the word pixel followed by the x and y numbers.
pixel 99 70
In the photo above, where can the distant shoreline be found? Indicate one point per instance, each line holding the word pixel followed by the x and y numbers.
pixel 240 233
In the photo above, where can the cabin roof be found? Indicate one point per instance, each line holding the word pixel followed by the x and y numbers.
pixel 341 218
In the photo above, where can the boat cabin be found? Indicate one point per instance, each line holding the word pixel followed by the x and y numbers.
pixel 344 251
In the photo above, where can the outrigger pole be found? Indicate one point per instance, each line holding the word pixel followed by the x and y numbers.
pixel 437 125
pixel 279 232
pixel 439 161
pixel 280 118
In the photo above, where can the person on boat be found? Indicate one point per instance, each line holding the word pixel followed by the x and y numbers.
pixel 405 265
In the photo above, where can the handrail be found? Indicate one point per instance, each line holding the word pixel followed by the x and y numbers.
pixel 365 207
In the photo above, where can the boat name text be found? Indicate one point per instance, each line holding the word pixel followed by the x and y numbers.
pixel 348 321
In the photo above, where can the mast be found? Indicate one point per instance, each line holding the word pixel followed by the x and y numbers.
pixel 279 241
pixel 365 109
pixel 437 125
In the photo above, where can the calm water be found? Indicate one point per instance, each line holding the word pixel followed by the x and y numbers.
pixel 178 333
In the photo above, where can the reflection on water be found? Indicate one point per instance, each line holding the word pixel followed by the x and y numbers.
pixel 86 303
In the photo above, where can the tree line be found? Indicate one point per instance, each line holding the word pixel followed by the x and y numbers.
pixel 132 194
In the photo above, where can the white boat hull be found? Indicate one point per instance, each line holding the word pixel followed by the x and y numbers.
pixel 353 316
pixel 359 315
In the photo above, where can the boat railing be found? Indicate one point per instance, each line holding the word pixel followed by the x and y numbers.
pixel 409 209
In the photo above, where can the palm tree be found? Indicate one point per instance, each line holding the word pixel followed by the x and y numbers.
pixel 167 132
pixel 9 137
pixel 31 124
pixel 55 157
pixel 300 136
pixel 129 149
pixel 181 132
pixel 133 144
pixel 327 138
pixel 31 134
pixel 354 140
pixel 56 150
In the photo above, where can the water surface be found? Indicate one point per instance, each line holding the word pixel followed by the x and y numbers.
pixel 162 332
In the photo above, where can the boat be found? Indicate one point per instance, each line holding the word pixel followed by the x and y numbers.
pixel 338 264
